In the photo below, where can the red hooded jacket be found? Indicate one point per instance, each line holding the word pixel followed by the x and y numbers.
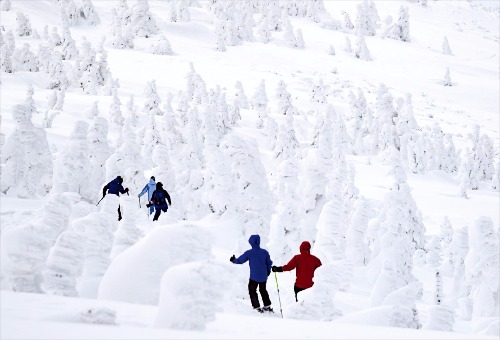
pixel 306 264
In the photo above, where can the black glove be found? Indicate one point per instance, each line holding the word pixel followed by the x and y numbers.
pixel 277 269
pixel 148 205
pixel 232 258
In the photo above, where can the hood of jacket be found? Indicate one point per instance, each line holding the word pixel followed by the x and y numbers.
pixel 305 248
pixel 254 241
pixel 152 183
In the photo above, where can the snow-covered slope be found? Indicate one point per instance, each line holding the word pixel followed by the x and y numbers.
pixel 383 153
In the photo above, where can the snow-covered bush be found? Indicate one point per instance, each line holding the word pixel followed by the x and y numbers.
pixel 24 60
pixel 361 50
pixel 401 29
pixel 147 260
pixel 142 20
pixel 446 47
pixel 23 25
pixel 447 78
pixel 162 47
pixel 127 233
pixel 440 318
pixel 191 294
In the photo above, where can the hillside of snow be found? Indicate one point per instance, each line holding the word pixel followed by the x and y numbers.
pixel 368 128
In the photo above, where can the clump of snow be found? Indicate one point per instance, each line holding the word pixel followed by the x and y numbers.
pixel 98 315
pixel 191 293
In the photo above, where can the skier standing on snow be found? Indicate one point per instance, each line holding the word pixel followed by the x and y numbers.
pixel 115 187
pixel 158 200
pixel 260 268
pixel 306 264
pixel 149 188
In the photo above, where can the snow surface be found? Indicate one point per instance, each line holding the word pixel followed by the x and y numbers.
pixel 126 306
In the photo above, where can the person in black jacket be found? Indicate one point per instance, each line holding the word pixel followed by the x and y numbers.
pixel 159 200
pixel 115 187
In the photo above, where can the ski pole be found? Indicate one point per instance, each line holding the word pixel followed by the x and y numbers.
pixel 279 298
pixel 99 201
pixel 140 202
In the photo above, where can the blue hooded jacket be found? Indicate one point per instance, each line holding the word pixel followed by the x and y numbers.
pixel 114 187
pixel 260 261
pixel 149 188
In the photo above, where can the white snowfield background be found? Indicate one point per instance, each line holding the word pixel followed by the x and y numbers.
pixel 368 128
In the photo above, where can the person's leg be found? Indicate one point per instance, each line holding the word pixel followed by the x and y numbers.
pixel 119 214
pixel 252 291
pixel 157 214
pixel 296 290
pixel 264 294
pixel 151 209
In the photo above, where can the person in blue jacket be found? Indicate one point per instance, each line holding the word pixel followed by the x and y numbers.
pixel 115 187
pixel 159 200
pixel 260 268
pixel 149 188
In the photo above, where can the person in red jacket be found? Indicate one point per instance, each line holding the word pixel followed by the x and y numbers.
pixel 306 264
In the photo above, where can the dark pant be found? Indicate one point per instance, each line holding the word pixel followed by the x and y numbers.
pixel 119 214
pixel 252 290
pixel 296 290
pixel 159 209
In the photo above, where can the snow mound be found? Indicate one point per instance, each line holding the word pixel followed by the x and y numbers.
pixel 101 315
pixel 135 274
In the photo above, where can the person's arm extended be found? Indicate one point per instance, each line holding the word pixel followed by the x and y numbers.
pixel 144 190
pixel 290 265
pixel 242 259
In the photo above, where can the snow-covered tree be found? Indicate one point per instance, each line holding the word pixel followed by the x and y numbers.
pixel 481 267
pixel 347 22
pixel 348 46
pixel 446 47
pixel 28 162
pixel 23 25
pixel 447 78
pixel 401 29
pixel 152 103
pixel 6 5
pixel 357 250
pixel 72 166
pixel 24 60
pixel 286 143
pixel 127 233
pixel 365 23
pixel 115 112
pixel 300 39
pixel 446 233
pixel 88 13
pixel 28 245
pixel 99 151
pixel 283 98
pixel 65 260
pixel 142 20
pixel 259 99
pixel 433 250
pixel 361 50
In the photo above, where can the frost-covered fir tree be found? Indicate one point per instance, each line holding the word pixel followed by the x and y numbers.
pixel 259 99
pixel 447 78
pixel 264 30
pixel 347 22
pixel 99 151
pixel 27 246
pixel 23 28
pixel 433 250
pixel 99 229
pixel 24 60
pixel 401 29
pixel 151 137
pixel 127 233
pixel 361 50
pixel 255 197
pixel 348 46
pixel 142 20
pixel 152 103
pixel 72 166
pixel 115 112
pixel 6 5
pixel 240 98
pixel 330 239
pixel 481 267
pixel 300 39
pixel 446 47
pixel 365 23
pixel 88 13
pixel 28 162
pixel 288 35
pixel 286 143
pixel 283 97
pixel 318 93
pixel 65 260
pixel 69 50
pixel 357 250
pixel 446 233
